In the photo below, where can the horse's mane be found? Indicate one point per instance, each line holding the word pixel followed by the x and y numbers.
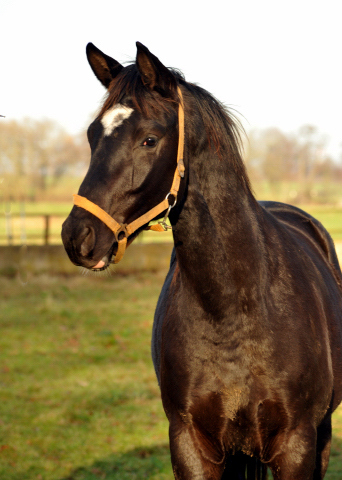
pixel 222 127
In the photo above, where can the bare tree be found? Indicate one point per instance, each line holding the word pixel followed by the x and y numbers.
pixel 36 154
pixel 298 160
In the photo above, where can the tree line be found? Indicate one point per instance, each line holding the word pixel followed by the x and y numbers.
pixel 296 166
pixel 38 158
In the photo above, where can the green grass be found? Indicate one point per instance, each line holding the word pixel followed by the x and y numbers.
pixel 78 395
pixel 320 192
pixel 52 208
pixel 330 217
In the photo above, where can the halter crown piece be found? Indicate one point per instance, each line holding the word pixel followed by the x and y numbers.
pixel 121 230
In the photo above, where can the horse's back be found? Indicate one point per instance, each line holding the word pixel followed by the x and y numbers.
pixel 310 226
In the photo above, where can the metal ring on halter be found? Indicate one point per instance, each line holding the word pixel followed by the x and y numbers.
pixel 174 203
pixel 163 222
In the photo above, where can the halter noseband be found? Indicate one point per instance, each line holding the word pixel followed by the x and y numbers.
pixel 121 230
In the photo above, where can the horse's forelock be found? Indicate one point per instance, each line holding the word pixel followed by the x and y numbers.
pixel 129 84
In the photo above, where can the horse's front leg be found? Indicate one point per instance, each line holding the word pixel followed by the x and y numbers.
pixel 323 447
pixel 298 457
pixel 193 455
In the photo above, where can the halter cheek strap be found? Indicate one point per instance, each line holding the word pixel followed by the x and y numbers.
pixel 121 230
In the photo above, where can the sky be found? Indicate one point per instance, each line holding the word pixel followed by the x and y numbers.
pixel 278 63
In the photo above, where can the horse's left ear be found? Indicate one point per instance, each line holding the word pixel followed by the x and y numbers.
pixel 153 73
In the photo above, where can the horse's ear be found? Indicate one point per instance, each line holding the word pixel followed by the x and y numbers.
pixel 153 73
pixel 104 67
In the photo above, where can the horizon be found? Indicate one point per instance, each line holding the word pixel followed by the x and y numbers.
pixel 275 64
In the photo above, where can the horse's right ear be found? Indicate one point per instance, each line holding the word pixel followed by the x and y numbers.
pixel 153 73
pixel 104 67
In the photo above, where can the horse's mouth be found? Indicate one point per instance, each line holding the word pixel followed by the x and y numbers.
pixel 102 265
pixel 109 258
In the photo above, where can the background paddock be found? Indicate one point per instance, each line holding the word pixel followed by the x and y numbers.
pixel 79 398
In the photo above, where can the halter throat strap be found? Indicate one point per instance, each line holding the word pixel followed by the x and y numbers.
pixel 122 230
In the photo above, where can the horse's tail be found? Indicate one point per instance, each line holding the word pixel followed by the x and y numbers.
pixel 243 467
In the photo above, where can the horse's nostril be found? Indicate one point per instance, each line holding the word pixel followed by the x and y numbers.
pixel 88 241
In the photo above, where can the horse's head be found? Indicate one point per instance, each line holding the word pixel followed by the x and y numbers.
pixel 133 142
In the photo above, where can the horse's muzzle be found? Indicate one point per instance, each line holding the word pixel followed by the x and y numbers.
pixel 86 246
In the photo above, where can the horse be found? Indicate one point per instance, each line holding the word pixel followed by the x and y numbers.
pixel 247 334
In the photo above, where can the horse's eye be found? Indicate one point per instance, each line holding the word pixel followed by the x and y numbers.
pixel 150 142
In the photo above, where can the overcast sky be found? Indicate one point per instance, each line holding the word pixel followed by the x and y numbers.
pixel 277 62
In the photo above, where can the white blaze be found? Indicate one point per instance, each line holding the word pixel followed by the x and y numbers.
pixel 114 117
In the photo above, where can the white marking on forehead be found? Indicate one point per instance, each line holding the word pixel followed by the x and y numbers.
pixel 114 117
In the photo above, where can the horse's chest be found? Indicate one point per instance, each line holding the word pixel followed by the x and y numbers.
pixel 197 370
pixel 215 398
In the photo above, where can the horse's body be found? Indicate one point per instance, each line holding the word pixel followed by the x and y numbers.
pixel 247 335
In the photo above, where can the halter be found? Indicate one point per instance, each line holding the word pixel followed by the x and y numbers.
pixel 122 230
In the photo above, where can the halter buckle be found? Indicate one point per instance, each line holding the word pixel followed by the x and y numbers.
pixel 121 233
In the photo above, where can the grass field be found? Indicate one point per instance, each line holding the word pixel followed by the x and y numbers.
pixel 79 397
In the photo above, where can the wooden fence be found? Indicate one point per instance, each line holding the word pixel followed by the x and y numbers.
pixel 31 228
pixel 45 229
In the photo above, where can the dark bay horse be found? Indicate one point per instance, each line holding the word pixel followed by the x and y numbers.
pixel 247 338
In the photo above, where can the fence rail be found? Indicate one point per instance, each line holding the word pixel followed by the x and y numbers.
pixel 45 229
pixel 32 228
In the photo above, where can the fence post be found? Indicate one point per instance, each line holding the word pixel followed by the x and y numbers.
pixel 23 224
pixel 8 215
pixel 47 229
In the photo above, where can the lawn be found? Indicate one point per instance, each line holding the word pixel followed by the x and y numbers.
pixel 79 397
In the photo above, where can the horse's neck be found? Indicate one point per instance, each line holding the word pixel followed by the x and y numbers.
pixel 217 236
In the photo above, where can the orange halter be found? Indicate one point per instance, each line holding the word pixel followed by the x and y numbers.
pixel 121 230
